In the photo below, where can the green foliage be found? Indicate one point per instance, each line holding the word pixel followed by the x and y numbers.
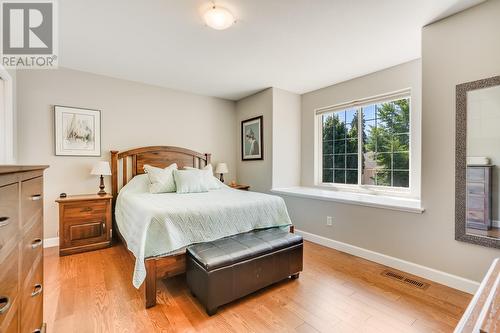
pixel 390 136
pixel 387 143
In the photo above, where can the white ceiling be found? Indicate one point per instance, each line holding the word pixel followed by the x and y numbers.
pixel 296 45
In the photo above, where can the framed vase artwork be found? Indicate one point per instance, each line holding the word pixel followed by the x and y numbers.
pixel 252 139
pixel 77 131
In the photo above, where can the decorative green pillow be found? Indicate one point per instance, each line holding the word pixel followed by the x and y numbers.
pixel 190 181
pixel 161 180
pixel 208 176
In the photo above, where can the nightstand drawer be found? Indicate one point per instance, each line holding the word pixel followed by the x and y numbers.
pixel 31 199
pixel 84 211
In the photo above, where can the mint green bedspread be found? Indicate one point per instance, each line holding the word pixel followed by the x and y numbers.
pixel 159 224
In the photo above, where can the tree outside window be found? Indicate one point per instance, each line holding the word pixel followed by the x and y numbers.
pixel 384 147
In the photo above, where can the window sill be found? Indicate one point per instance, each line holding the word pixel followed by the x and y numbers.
pixel 370 200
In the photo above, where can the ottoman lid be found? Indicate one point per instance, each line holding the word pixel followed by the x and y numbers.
pixel 230 250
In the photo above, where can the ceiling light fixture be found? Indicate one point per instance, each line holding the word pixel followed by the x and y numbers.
pixel 218 18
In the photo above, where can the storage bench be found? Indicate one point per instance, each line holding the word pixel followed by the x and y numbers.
pixel 224 270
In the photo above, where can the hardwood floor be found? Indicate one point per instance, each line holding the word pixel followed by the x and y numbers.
pixel 337 292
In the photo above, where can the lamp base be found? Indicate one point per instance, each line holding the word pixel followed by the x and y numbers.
pixel 221 177
pixel 101 186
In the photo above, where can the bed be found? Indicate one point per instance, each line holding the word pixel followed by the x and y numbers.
pixel 157 228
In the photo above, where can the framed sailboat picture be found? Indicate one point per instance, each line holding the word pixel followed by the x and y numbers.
pixel 77 131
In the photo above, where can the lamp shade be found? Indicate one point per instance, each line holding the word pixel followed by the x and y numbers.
pixel 101 168
pixel 221 168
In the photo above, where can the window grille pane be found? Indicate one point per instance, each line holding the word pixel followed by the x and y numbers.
pixel 401 142
pixel 327 161
pixel 351 161
pixel 339 146
pixel 386 143
pixel 327 175
pixel 352 146
pixel 327 147
pixel 340 136
pixel 369 176
pixel 401 161
pixel 383 178
pixel 339 161
pixel 339 176
pixel 401 178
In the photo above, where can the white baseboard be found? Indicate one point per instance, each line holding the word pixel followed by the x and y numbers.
pixel 51 242
pixel 435 275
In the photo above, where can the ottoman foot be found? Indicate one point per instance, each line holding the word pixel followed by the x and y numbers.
pixel 211 311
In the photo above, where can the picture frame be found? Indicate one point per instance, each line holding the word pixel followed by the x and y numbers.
pixel 77 131
pixel 252 139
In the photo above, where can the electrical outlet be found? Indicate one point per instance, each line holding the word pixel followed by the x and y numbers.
pixel 329 221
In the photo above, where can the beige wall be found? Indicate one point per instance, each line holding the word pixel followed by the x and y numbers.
pixel 286 138
pixel 133 115
pixel 458 49
pixel 257 174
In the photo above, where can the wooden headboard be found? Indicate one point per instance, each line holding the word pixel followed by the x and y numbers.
pixel 130 163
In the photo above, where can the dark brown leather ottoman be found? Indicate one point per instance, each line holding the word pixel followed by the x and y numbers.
pixel 224 270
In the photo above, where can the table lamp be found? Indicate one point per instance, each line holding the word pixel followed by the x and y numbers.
pixel 221 169
pixel 102 169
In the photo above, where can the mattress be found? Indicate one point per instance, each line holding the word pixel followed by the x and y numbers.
pixel 162 224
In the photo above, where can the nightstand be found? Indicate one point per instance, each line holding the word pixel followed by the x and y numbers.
pixel 84 223
pixel 240 187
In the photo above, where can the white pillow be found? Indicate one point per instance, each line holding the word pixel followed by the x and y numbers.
pixel 161 180
pixel 208 177
pixel 190 181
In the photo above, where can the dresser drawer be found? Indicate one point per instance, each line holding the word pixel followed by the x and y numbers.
pixel 11 325
pixel 32 301
pixel 476 188
pixel 9 216
pixel 9 284
pixel 476 175
pixel 31 246
pixel 476 216
pixel 475 202
pixel 76 212
pixel 31 199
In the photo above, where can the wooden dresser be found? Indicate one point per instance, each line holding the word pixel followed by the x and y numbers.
pixel 21 249
pixel 84 223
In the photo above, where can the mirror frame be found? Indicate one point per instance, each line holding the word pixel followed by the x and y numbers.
pixel 461 162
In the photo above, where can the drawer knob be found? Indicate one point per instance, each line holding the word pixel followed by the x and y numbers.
pixel 37 242
pixel 4 221
pixel 87 209
pixel 37 290
pixel 36 197
pixel 5 304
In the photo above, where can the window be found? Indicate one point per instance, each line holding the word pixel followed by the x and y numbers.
pixel 366 143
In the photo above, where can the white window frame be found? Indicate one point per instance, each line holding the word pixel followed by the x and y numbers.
pixel 7 123
pixel 413 190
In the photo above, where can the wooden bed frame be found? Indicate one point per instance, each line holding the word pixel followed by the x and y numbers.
pixel 129 163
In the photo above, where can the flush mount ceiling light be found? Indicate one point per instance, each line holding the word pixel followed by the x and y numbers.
pixel 218 18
